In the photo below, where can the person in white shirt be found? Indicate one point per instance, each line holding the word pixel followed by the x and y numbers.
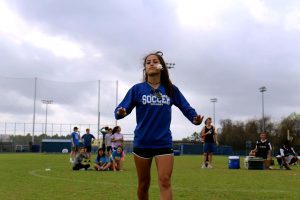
pixel 108 140
pixel 116 138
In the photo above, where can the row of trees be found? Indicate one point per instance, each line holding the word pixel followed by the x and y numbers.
pixel 232 133
pixel 237 133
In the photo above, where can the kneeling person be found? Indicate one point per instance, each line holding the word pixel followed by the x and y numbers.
pixel 117 159
pixel 80 156
pixel 287 155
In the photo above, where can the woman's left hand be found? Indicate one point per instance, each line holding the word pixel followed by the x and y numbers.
pixel 198 120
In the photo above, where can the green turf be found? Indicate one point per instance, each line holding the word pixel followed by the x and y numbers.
pixel 23 176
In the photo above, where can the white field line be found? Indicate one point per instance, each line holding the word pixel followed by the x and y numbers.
pixel 190 189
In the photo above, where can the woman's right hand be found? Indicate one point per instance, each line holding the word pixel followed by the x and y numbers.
pixel 121 112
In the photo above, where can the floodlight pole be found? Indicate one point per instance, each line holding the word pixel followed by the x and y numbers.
pixel 262 90
pixel 98 122
pixel 46 102
pixel 34 105
pixel 117 96
pixel 214 101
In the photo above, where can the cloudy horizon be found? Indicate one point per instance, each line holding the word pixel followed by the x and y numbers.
pixel 222 49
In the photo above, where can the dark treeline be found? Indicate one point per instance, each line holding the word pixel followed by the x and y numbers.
pixel 237 133
pixel 231 133
pixel 25 140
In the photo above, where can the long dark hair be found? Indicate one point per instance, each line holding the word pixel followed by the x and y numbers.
pixel 209 118
pixel 164 76
pixel 115 129
pixel 98 157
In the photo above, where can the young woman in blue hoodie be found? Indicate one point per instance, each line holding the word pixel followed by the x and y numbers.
pixel 153 99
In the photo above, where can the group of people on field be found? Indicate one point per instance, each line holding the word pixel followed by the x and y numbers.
pixel 109 156
pixel 286 155
pixel 153 99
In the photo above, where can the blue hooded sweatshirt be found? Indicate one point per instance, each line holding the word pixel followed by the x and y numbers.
pixel 153 114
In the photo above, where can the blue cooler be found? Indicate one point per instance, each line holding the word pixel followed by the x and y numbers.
pixel 234 162
pixel 176 152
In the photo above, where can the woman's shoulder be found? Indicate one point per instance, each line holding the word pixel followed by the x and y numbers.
pixel 119 134
pixel 139 85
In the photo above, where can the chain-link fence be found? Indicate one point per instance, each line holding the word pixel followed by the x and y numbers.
pixel 37 106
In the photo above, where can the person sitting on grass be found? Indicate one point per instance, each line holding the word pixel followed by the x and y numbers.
pixel 80 156
pixel 110 160
pixel 117 159
pixel 287 155
pixel 101 161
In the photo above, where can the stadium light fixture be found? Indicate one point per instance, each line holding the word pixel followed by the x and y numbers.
pixel 262 90
pixel 46 101
pixel 170 65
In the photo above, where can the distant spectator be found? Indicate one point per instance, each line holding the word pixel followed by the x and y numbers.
pixel 110 160
pixel 287 155
pixel 101 161
pixel 210 137
pixel 104 131
pixel 87 141
pixel 263 149
pixel 116 137
pixel 74 143
pixel 108 140
pixel 117 159
pixel 77 164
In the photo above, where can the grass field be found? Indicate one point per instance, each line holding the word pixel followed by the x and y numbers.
pixel 23 176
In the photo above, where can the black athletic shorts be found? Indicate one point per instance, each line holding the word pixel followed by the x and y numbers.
pixel 88 149
pixel 75 148
pixel 108 148
pixel 150 153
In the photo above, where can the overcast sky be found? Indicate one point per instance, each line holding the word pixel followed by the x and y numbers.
pixel 223 49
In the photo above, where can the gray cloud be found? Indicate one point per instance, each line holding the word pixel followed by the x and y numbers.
pixel 230 61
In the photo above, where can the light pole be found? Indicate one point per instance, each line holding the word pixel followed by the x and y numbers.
pixel 170 65
pixel 262 90
pixel 46 102
pixel 214 101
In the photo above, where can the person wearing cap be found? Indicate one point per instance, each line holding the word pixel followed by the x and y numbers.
pixel 87 141
pixel 75 143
